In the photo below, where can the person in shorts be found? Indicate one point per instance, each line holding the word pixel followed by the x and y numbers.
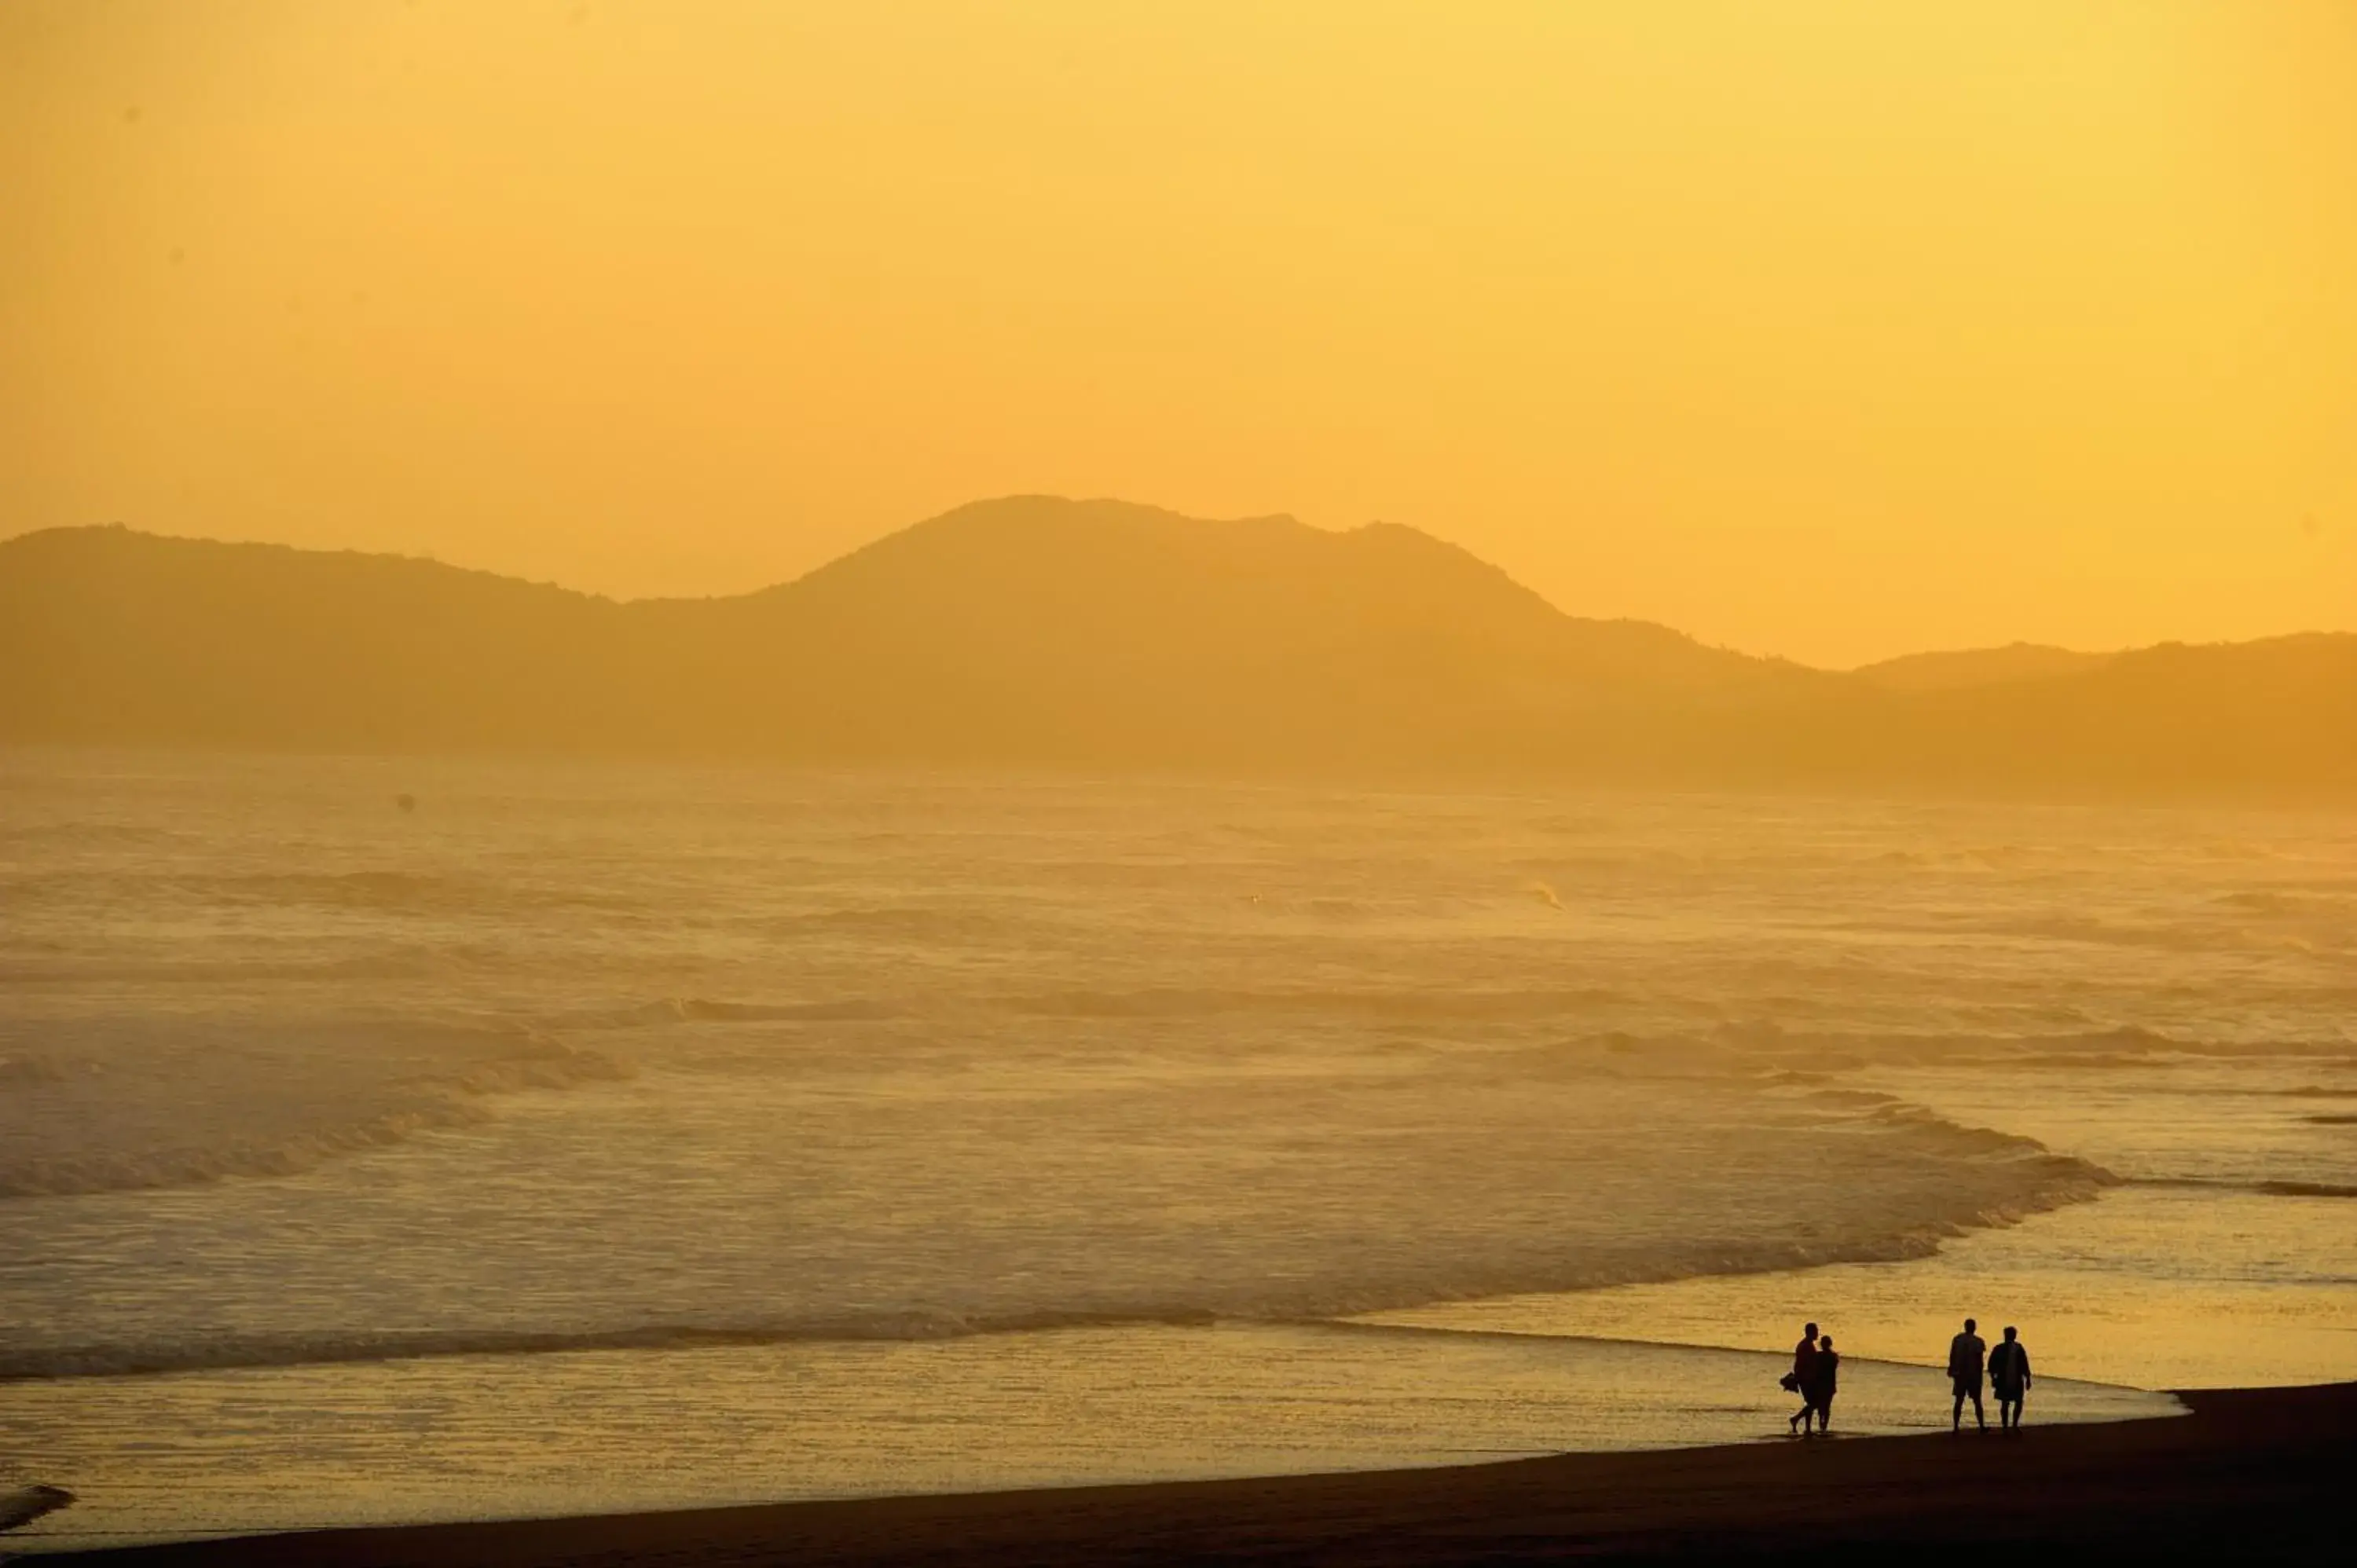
pixel 1967 1360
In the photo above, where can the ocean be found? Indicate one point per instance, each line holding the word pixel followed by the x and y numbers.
pixel 390 1140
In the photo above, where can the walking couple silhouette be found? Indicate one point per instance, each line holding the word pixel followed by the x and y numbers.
pixel 2007 1369
pixel 1815 1377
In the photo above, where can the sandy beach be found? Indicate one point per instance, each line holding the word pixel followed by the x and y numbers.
pixel 2255 1475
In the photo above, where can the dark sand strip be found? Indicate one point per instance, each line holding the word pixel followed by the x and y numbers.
pixel 2259 1474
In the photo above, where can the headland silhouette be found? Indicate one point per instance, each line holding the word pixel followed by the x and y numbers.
pixel 1040 631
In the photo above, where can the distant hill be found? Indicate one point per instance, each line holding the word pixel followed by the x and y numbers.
pixel 1978 667
pixel 2280 711
pixel 1096 634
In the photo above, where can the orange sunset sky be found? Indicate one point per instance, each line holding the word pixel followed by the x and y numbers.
pixel 1832 330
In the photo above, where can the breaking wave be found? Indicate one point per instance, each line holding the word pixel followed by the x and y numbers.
pixel 2066 1181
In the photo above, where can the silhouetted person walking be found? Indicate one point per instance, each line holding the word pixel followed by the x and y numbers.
pixel 1825 1375
pixel 1804 1363
pixel 1967 1358
pixel 2008 1371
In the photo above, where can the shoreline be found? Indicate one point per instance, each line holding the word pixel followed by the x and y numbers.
pixel 2253 1474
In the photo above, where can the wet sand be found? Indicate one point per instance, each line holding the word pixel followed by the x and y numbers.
pixel 2250 1474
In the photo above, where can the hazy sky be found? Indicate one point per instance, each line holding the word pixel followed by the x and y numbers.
pixel 1832 330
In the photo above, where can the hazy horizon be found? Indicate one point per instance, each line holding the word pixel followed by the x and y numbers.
pixel 1826 331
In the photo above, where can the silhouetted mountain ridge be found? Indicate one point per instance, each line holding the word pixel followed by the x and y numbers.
pixel 1944 671
pixel 1033 631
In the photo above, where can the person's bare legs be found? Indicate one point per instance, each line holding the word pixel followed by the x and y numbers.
pixel 1825 1413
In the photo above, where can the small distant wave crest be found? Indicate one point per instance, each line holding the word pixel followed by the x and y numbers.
pixel 1144 1002
pixel 2265 1187
pixel 228 1351
pixel 1741 1045
pixel 147 1106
